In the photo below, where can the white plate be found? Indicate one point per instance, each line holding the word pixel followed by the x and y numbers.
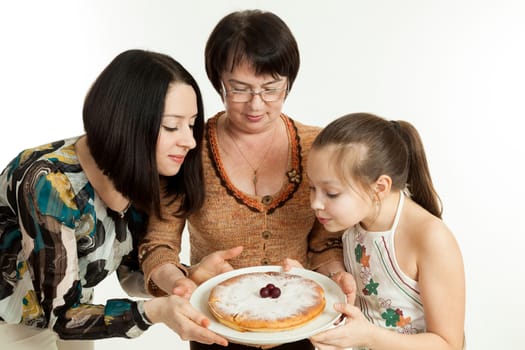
pixel 325 320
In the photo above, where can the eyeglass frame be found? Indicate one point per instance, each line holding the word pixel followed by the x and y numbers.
pixel 251 93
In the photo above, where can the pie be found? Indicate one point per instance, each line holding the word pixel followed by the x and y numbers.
pixel 241 304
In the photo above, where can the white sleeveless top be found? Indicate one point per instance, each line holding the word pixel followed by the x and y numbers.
pixel 386 296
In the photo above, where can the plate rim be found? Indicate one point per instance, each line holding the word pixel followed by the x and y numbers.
pixel 332 292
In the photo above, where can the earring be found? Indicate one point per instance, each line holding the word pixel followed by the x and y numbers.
pixel 406 191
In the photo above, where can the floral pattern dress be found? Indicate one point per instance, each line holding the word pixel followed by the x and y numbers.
pixel 58 240
pixel 386 296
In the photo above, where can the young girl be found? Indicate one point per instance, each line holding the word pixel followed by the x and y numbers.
pixel 370 177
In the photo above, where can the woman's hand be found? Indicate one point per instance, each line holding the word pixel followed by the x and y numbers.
pixel 210 266
pixel 289 263
pixel 213 264
pixel 170 279
pixel 179 315
pixel 184 287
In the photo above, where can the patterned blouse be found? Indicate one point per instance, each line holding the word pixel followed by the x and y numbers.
pixel 57 241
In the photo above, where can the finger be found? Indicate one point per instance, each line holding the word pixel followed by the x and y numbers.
pixel 350 298
pixel 287 266
pixel 349 310
pixel 333 336
pixel 205 323
pixel 218 339
pixel 329 337
pixel 182 291
pixel 215 339
pixel 348 282
pixel 339 278
pixel 319 346
pixel 184 287
pixel 289 263
pixel 203 334
pixel 344 308
pixel 208 336
pixel 231 253
pixel 345 281
pixel 348 287
pixel 196 316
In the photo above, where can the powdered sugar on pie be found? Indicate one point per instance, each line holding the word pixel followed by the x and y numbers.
pixel 236 302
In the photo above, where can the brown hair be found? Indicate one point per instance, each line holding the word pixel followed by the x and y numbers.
pixel 260 38
pixel 368 146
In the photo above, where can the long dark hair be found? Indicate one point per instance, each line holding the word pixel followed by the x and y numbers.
pixel 122 117
pixel 368 146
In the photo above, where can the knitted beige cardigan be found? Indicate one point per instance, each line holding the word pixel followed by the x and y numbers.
pixel 270 227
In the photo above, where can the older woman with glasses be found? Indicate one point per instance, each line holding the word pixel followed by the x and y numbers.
pixel 254 155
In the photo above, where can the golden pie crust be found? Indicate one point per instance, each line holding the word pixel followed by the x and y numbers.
pixel 236 302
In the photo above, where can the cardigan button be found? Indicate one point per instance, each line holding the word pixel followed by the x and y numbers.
pixel 266 200
pixel 265 261
pixel 266 234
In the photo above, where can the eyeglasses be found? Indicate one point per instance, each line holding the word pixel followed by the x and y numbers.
pixel 246 95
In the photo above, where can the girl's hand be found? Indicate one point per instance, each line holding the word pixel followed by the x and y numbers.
pixel 346 282
pixel 344 279
pixel 353 333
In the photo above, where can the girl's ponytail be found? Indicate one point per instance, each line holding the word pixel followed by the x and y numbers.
pixel 419 180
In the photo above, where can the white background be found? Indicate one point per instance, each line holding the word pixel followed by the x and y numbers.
pixel 455 69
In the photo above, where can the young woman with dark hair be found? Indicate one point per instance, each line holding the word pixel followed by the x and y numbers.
pixel 73 211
